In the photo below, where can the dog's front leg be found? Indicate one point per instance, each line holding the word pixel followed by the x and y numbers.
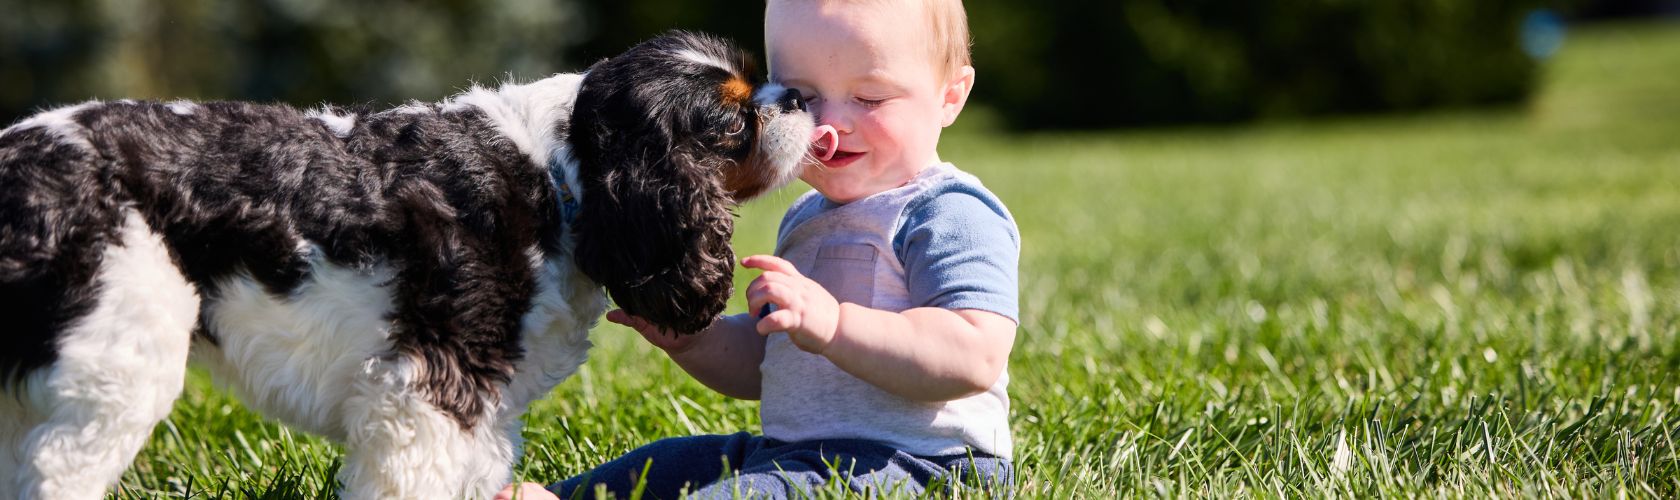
pixel 401 446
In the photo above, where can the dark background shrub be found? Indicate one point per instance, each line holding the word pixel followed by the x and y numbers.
pixel 1042 64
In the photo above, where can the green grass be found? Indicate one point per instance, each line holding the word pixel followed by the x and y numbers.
pixel 1457 304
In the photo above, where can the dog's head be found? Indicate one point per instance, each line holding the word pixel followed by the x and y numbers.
pixel 669 136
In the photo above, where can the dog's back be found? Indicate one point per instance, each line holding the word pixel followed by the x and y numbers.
pixel 292 247
pixel 251 190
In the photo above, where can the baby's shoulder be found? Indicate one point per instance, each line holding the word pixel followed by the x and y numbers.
pixel 954 211
pixel 953 195
pixel 802 208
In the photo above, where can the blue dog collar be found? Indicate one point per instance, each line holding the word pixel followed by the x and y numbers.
pixel 568 200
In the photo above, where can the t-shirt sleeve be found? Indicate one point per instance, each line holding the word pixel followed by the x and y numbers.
pixel 961 250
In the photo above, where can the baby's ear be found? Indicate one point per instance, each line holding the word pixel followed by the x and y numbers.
pixel 956 93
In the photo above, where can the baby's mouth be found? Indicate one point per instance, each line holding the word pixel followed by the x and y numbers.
pixel 841 158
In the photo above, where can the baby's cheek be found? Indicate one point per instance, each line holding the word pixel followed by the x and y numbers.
pixel 887 125
pixel 819 109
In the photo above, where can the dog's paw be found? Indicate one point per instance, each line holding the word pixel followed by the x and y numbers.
pixel 525 491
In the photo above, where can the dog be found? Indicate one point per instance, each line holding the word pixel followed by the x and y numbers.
pixel 404 282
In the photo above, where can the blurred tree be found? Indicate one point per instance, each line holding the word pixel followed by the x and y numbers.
pixel 298 51
pixel 46 50
pixel 1043 64
pixel 1064 63
pixel 1596 9
pixel 616 25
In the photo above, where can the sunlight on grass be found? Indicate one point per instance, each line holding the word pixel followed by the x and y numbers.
pixel 1454 304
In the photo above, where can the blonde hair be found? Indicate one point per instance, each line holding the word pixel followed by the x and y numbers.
pixel 951 42
pixel 950 47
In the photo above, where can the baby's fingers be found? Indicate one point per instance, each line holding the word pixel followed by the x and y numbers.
pixel 769 263
pixel 780 320
pixel 624 318
pixel 769 293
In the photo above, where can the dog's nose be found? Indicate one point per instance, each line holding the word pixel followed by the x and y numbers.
pixel 791 100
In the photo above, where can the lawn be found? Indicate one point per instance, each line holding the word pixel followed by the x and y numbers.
pixel 1466 303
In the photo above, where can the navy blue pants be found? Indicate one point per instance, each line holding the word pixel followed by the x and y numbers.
pixel 748 466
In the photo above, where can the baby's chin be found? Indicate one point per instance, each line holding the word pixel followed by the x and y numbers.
pixel 831 189
pixel 839 190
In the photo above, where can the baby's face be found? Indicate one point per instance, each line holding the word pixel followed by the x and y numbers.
pixel 867 69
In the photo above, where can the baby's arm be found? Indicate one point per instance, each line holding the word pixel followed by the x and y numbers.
pixel 724 356
pixel 924 354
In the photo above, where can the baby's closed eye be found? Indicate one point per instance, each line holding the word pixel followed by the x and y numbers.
pixel 870 103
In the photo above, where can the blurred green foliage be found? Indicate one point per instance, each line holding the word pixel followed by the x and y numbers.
pixel 1066 63
pixel 298 51
pixel 1043 64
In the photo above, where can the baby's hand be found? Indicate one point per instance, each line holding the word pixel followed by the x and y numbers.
pixel 526 491
pixel 804 309
pixel 671 343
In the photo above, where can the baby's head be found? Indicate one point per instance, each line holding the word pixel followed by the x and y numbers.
pixel 888 75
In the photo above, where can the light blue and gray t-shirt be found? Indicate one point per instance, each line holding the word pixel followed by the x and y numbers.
pixel 941 240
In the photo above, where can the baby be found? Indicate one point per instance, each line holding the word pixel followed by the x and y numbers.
pixel 878 334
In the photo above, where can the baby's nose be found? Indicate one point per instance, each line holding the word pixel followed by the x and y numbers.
pixel 791 101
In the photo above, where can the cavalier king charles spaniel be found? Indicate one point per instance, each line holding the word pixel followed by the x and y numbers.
pixel 405 282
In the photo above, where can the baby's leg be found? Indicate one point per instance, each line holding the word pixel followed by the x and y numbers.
pixel 673 465
pixel 855 467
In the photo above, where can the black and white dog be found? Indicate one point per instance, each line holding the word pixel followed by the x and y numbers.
pixel 405 282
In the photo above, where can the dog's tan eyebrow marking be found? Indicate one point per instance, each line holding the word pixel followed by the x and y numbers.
pixel 736 90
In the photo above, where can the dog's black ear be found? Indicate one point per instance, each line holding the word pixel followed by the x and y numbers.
pixel 654 221
pixel 655 232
